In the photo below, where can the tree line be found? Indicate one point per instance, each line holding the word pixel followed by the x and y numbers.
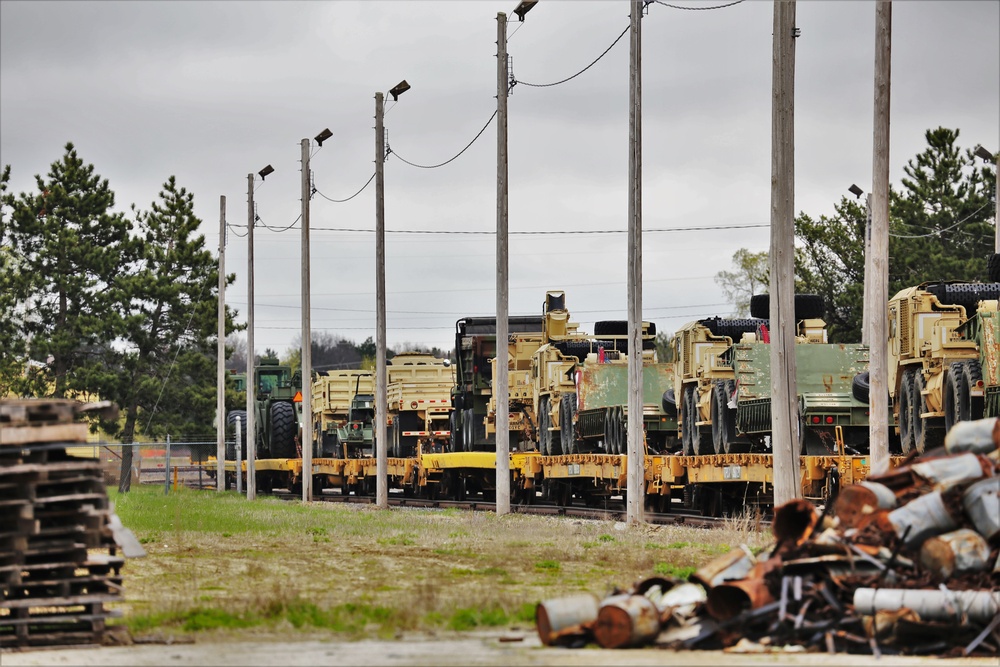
pixel 940 228
pixel 97 303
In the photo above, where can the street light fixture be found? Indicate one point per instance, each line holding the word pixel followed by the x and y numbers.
pixel 399 89
pixel 323 136
pixel 523 8
pixel 983 153
pixel 265 172
pixel 856 191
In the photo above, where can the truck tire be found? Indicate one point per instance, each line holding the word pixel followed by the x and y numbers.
pixel 611 328
pixel 860 387
pixel 669 403
pixel 699 444
pixel 973 376
pixel 453 431
pixel 905 400
pixel 993 268
pixel 807 306
pixel 544 434
pixel 686 421
pixel 967 295
pixel 468 430
pixel 283 429
pixel 955 395
pixel 566 431
pixel 231 433
pixel 732 328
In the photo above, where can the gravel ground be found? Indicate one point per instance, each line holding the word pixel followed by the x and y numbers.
pixel 514 649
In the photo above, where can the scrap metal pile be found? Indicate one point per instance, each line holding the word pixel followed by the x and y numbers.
pixel 907 562
pixel 61 545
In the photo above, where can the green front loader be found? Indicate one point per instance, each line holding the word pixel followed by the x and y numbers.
pixel 278 410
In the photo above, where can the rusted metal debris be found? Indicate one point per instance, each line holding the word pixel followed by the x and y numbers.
pixel 61 544
pixel 904 563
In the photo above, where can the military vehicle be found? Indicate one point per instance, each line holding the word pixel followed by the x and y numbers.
pixel 725 384
pixel 343 408
pixel 943 353
pixel 475 347
pixel 418 390
pixel 277 412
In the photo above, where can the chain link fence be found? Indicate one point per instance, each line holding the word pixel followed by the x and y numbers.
pixel 170 462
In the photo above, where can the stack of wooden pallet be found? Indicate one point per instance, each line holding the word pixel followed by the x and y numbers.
pixel 61 546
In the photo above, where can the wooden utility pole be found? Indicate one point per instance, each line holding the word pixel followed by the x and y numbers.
pixel 501 384
pixel 220 398
pixel 785 424
pixel 866 311
pixel 251 443
pixel 636 456
pixel 381 399
pixel 307 425
pixel 878 366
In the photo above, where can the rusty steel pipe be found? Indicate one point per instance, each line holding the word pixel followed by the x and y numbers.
pixel 924 517
pixel 626 620
pixel 794 521
pixel 733 565
pixel 948 471
pixel 565 619
pixel 982 504
pixel 937 605
pixel 856 504
pixel 733 597
pixel 956 552
pixel 979 437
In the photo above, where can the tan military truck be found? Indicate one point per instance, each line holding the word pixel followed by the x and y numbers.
pixel 943 351
pixel 418 390
pixel 343 409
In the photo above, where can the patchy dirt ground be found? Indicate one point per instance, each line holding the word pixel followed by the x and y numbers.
pixel 516 649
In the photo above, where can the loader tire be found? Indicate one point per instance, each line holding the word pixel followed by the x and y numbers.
pixel 860 387
pixel 283 429
pixel 733 328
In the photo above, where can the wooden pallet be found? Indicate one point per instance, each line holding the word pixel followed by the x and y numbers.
pixel 59 538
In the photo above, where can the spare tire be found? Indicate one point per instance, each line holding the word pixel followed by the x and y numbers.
pixel 611 328
pixel 967 295
pixel 733 328
pixel 993 268
pixel 669 403
pixel 807 306
pixel 860 387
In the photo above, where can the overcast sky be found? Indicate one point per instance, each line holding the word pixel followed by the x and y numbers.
pixel 211 91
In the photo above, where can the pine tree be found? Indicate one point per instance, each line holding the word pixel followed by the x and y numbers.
pixel 940 223
pixel 65 255
pixel 164 374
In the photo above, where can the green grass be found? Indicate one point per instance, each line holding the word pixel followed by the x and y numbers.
pixel 671 570
pixel 220 563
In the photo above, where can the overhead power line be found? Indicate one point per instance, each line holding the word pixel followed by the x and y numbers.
pixel 341 201
pixel 729 4
pixel 570 78
pixel 550 232
pixel 451 159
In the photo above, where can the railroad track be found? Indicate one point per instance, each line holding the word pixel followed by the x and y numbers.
pixel 614 511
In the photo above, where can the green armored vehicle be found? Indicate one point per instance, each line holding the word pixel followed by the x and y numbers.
pixel 602 403
pixel 727 392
